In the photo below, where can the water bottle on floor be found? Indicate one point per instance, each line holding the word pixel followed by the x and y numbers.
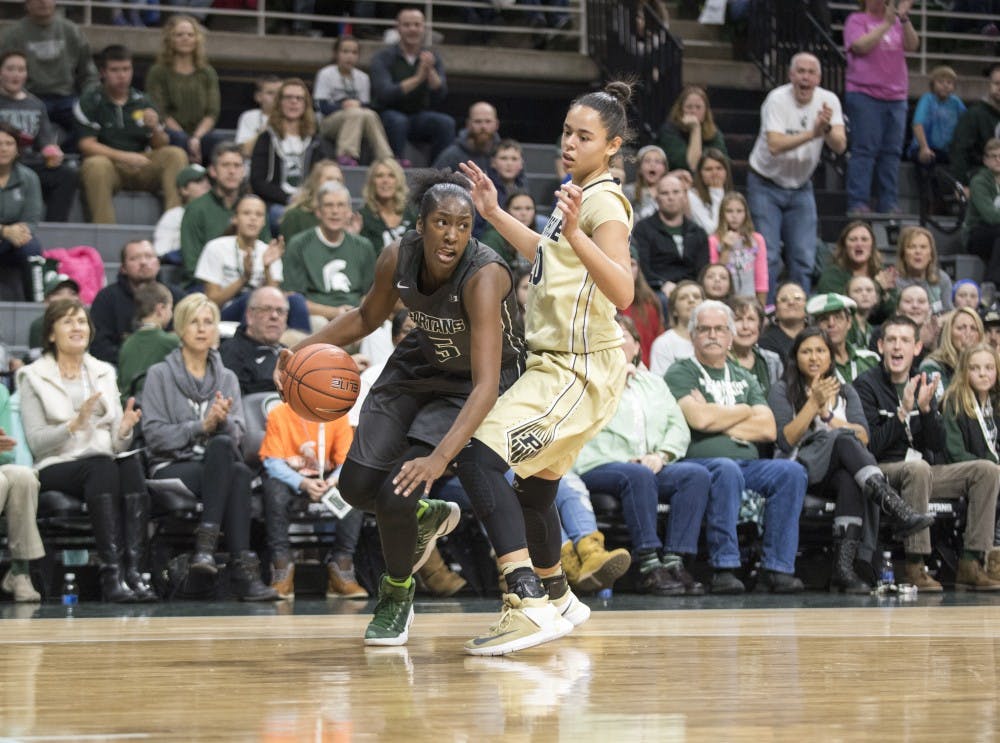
pixel 70 593
pixel 887 574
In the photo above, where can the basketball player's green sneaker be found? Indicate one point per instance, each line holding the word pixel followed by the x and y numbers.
pixel 524 623
pixel 435 518
pixel 393 614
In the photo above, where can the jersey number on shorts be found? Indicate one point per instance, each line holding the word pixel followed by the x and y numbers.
pixel 444 348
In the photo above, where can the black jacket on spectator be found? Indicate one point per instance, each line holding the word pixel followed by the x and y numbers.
pixel 267 169
pixel 659 259
pixel 888 440
pixel 113 315
pixel 252 362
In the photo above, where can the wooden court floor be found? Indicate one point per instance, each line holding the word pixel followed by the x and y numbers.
pixel 838 674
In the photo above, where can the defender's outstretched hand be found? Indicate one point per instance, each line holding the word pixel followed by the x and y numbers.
pixel 484 193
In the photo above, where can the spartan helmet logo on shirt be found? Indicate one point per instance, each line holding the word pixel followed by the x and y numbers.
pixel 334 278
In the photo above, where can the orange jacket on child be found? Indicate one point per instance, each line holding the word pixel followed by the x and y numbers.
pixel 288 435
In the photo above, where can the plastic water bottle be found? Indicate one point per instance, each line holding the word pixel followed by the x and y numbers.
pixel 70 593
pixel 887 575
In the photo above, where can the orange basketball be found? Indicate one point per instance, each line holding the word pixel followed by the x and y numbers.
pixel 322 382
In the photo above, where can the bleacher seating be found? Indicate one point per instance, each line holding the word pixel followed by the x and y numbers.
pixel 63 520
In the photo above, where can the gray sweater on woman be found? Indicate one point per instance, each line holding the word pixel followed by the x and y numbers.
pixel 174 404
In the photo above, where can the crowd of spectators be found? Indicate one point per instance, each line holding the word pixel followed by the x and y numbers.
pixel 878 389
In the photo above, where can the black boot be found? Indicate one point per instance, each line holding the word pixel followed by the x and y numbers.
pixel 203 559
pixel 846 542
pixel 104 518
pixel 907 520
pixel 247 582
pixel 136 522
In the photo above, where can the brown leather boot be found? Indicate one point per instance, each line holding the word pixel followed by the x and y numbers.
pixel 598 567
pixel 916 573
pixel 993 563
pixel 283 580
pixel 341 582
pixel 437 578
pixel 570 563
pixel 972 577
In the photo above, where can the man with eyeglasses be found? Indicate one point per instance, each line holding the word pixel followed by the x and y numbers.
pixel 328 265
pixel 252 352
pixel 728 415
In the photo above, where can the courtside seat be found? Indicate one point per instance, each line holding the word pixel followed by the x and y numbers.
pixel 57 510
pixel 171 499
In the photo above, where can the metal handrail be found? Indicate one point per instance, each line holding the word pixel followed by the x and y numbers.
pixel 628 42
pixel 261 15
pixel 780 29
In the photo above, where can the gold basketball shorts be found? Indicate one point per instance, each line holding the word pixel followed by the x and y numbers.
pixel 558 404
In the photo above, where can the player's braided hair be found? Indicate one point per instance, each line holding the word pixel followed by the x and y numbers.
pixel 430 187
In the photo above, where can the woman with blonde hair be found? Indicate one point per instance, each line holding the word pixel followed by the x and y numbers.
pixel 675 344
pixel 185 87
pixel 961 330
pixel 971 424
pixel 917 263
pixel 690 129
pixel 193 425
pixel 285 150
pixel 77 432
pixel 301 212
pixel 385 214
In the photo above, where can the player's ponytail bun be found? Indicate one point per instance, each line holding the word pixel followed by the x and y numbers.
pixel 611 105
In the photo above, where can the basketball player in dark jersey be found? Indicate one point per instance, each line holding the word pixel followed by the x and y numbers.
pixel 437 387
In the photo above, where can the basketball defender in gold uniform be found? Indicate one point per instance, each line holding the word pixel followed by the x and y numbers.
pixel 575 371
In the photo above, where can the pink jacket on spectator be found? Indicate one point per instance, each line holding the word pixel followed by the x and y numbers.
pixel 83 264
pixel 881 73
pixel 760 277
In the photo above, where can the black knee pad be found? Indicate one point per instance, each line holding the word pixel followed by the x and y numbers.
pixel 541 519
pixel 358 485
pixel 482 473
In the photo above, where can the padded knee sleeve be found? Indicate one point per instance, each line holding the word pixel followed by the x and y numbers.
pixel 541 519
pixel 397 519
pixel 482 473
pixel 358 485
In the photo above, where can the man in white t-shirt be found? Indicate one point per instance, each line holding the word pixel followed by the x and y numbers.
pixel 253 121
pixel 796 120
pixel 230 270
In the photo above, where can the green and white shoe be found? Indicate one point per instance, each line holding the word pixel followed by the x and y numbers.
pixel 438 518
pixel 393 614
